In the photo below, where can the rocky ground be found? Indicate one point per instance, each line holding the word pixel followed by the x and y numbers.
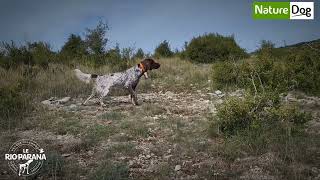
pixel 163 138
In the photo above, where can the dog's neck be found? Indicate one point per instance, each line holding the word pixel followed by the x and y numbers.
pixel 142 67
pixel 140 70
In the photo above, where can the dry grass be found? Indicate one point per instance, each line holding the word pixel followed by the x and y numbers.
pixel 169 129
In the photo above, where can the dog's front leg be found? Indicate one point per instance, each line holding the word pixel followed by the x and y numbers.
pixel 103 94
pixel 90 97
pixel 133 96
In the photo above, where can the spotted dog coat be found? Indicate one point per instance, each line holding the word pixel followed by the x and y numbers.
pixel 128 79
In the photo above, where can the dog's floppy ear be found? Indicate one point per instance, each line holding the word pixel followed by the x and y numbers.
pixel 142 67
pixel 146 64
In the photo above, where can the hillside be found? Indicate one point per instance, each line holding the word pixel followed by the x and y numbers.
pixel 313 43
pixel 166 137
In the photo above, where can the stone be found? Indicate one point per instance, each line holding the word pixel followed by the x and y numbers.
pixel 63 100
pixel 73 106
pixel 177 168
pixel 218 92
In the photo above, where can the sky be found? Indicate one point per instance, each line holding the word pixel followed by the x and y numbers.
pixel 146 23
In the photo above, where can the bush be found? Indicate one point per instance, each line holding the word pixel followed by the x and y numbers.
pixel 294 71
pixel 212 48
pixel 13 107
pixel 163 50
pixel 224 74
pixel 139 54
pixel 254 114
pixel 36 53
pixel 14 55
pixel 41 53
pixel 255 126
pixel 234 115
pixel 73 48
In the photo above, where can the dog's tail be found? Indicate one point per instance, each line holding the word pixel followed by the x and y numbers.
pixel 84 77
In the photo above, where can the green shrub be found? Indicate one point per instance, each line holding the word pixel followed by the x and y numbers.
pixel 15 55
pixel 234 115
pixel 237 115
pixel 289 114
pixel 73 48
pixel 257 125
pixel 296 71
pixel 36 53
pixel 212 48
pixel 139 54
pixel 224 74
pixel 13 107
pixel 163 50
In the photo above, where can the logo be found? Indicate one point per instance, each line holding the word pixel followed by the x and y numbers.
pixel 283 10
pixel 302 10
pixel 25 157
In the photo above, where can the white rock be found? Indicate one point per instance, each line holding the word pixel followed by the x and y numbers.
pixel 131 163
pixel 169 94
pixel 90 153
pixel 64 100
pixel 73 106
pixel 218 92
pixel 177 168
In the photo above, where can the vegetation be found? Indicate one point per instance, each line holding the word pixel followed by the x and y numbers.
pixel 13 106
pixel 95 39
pixel 140 54
pixel 74 48
pixel 173 122
pixel 272 69
pixel 255 114
pixel 260 122
pixel 163 50
pixel 211 48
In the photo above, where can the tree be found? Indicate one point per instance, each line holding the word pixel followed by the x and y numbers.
pixel 163 50
pixel 139 54
pixel 127 53
pixel 114 54
pixel 41 53
pixel 74 47
pixel 213 47
pixel 95 38
pixel 15 55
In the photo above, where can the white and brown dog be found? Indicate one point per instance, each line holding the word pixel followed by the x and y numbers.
pixel 128 79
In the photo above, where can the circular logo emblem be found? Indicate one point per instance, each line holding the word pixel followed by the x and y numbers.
pixel 25 157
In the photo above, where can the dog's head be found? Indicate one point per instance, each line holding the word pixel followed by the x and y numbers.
pixel 148 64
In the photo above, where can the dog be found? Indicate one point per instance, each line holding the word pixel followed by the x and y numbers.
pixel 128 79
pixel 25 166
